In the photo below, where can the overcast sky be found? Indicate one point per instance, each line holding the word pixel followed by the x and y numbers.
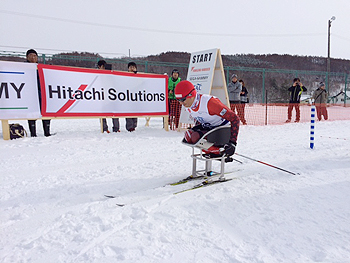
pixel 148 27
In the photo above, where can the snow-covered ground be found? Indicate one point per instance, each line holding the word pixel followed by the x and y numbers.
pixel 53 207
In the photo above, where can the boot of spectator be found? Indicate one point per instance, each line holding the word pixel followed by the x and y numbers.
pixel 32 128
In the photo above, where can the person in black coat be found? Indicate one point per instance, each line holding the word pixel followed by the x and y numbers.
pixel 294 101
pixel 244 100
pixel 32 57
pixel 131 123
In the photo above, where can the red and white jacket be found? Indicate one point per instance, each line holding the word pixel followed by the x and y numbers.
pixel 211 112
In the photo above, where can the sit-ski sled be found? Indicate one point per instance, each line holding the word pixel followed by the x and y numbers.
pixel 218 137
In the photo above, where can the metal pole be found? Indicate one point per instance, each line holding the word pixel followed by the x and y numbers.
pixel 227 75
pixel 263 86
pixel 346 82
pixel 329 53
pixel 266 107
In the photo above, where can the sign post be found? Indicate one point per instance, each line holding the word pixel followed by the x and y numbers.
pixel 5 129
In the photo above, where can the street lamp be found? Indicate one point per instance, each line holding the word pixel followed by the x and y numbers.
pixel 329 50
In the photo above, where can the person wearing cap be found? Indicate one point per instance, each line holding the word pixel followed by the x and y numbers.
pixel 294 102
pixel 32 57
pixel 131 123
pixel 174 105
pixel 101 64
pixel 208 112
pixel 132 67
pixel 234 89
pixel 320 97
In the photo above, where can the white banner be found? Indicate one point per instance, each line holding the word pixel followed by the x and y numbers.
pixel 19 97
pixel 70 91
pixel 201 70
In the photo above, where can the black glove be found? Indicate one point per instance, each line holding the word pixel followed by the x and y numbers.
pixel 201 127
pixel 229 148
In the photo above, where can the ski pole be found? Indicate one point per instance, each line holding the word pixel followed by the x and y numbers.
pixel 238 161
pixel 333 138
pixel 265 164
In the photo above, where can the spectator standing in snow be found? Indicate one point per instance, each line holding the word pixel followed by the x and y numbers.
pixel 294 101
pixel 174 105
pixel 208 112
pixel 32 57
pixel 101 64
pixel 320 97
pixel 234 89
pixel 244 100
pixel 131 123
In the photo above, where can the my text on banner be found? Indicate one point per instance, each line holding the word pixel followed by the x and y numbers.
pixel 18 91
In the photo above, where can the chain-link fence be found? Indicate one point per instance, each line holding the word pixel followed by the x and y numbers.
pixel 267 88
pixel 264 85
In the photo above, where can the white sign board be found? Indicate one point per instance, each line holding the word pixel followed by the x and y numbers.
pixel 201 69
pixel 19 97
pixel 206 73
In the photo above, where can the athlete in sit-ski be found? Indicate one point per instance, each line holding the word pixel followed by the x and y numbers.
pixel 208 112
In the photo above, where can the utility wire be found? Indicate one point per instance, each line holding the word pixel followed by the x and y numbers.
pixel 343 38
pixel 154 30
pixel 62 50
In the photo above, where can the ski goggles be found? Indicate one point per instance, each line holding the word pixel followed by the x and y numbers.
pixel 184 98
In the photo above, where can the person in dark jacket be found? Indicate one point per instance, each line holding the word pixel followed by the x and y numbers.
pixel 320 97
pixel 32 57
pixel 131 123
pixel 101 64
pixel 244 100
pixel 294 102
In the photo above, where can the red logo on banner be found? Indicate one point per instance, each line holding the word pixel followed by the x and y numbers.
pixel 70 102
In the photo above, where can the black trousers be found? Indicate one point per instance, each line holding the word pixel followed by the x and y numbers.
pixel 32 127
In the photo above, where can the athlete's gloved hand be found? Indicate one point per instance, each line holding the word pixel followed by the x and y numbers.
pixel 229 148
pixel 206 126
pixel 201 127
